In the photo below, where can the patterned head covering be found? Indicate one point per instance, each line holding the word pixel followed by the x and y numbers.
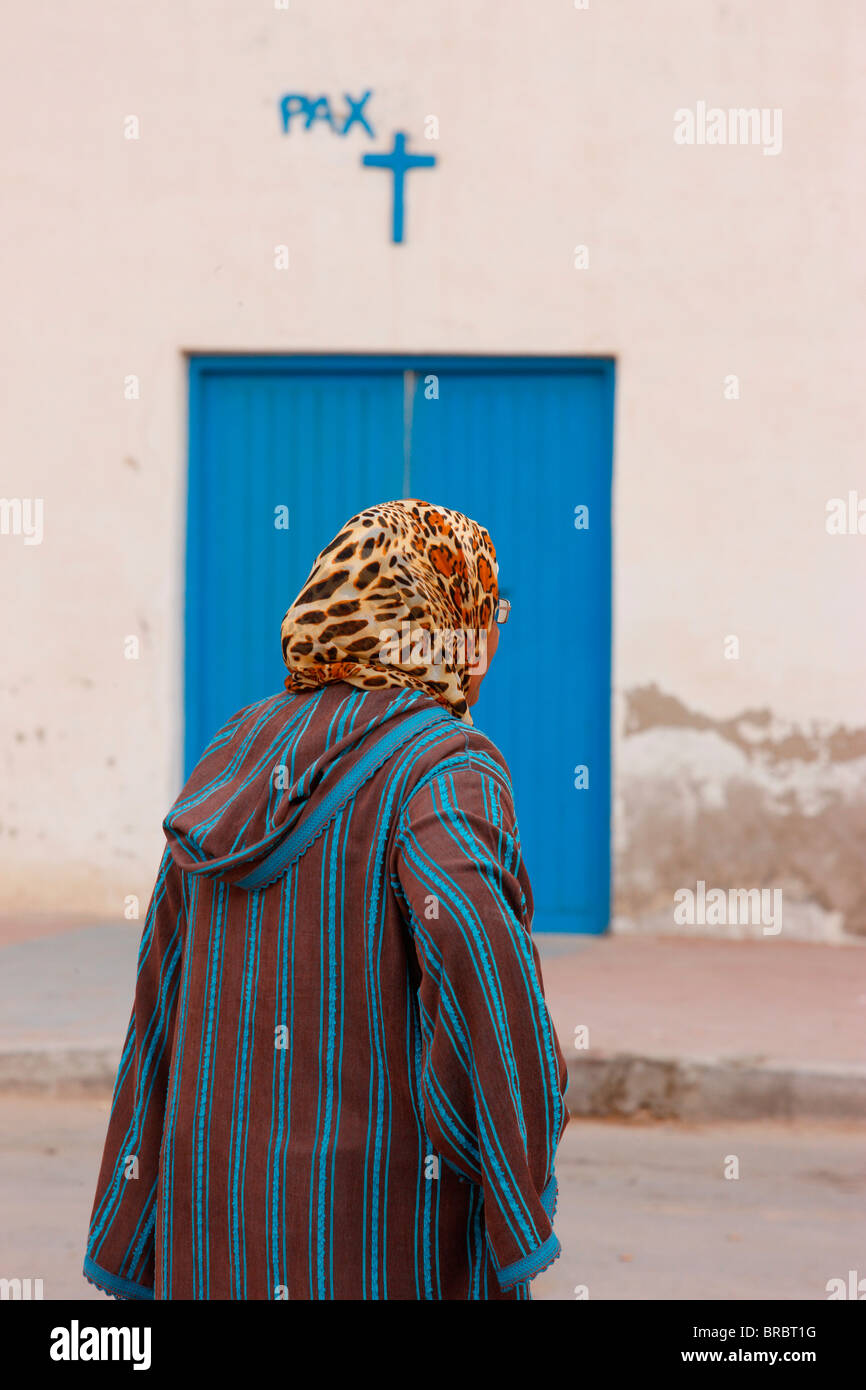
pixel 403 596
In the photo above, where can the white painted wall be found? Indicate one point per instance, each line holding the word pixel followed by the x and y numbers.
pixel 556 128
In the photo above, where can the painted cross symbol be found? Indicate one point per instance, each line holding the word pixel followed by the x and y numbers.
pixel 398 161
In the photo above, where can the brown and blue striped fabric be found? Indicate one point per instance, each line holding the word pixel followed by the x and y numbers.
pixel 345 1084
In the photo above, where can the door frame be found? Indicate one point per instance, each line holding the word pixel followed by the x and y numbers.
pixel 207 364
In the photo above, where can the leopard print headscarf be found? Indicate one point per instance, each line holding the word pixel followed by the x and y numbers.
pixel 396 575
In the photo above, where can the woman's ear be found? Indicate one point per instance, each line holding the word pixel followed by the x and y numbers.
pixel 488 648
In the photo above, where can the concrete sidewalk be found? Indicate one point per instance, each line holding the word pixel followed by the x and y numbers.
pixel 676 1028
pixel 701 1029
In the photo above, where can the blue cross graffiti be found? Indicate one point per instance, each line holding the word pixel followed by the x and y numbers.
pixel 399 162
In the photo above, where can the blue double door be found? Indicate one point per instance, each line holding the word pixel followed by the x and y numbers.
pixel 524 446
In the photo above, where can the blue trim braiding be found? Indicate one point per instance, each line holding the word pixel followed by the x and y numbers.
pixel 549 1196
pixel 113 1283
pixel 531 1264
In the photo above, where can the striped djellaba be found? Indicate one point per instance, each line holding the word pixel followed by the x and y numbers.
pixel 345 1084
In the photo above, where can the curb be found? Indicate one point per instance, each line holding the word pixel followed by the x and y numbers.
pixel 619 1086
pixel 58 1070
pixel 628 1086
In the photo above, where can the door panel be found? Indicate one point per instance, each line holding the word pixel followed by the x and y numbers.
pixel 518 450
pixel 516 445
pixel 322 443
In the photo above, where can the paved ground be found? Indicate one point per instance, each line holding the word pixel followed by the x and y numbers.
pixel 748 1000
pixel 679 1028
pixel 768 1000
pixel 644 1210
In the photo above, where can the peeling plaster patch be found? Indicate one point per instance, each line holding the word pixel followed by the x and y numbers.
pixel 647 707
pixel 750 801
pixel 702 766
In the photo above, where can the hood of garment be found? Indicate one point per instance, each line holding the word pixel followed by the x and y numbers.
pixel 270 766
